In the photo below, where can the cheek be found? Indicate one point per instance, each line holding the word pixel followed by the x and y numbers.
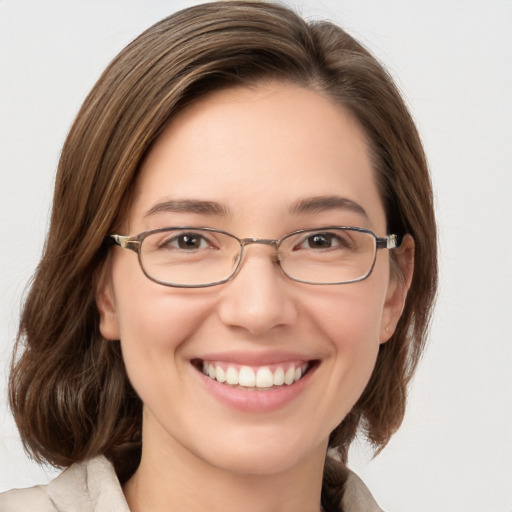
pixel 154 322
pixel 350 322
pixel 350 316
pixel 353 330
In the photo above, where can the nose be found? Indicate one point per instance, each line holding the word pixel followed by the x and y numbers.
pixel 259 298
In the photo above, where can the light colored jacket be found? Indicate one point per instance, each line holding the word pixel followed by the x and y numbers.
pixel 92 486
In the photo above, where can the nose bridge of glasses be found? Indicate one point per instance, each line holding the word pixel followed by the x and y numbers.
pixel 244 242
pixel 263 241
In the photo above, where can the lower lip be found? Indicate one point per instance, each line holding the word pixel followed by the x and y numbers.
pixel 252 400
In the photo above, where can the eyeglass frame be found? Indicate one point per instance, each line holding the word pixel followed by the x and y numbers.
pixel 134 243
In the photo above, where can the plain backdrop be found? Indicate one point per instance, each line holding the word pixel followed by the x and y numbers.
pixel 453 61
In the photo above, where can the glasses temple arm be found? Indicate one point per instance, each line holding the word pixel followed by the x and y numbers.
pixel 389 242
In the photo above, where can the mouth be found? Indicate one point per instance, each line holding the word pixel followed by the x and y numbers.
pixel 257 378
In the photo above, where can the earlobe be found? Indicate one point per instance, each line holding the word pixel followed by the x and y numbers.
pixel 105 302
pixel 399 284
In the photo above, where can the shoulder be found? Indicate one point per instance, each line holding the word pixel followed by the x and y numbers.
pixel 21 500
pixel 89 486
pixel 357 497
pixel 344 491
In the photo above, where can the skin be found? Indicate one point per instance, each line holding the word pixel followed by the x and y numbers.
pixel 257 152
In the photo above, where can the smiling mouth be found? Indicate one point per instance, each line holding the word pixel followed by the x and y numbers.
pixel 260 378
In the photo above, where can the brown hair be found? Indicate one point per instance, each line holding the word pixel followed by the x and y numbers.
pixel 68 387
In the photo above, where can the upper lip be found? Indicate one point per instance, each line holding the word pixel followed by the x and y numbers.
pixel 256 359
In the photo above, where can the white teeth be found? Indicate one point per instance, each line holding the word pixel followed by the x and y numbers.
pixel 219 374
pixel 279 377
pixel 232 376
pixel 289 376
pixel 264 378
pixel 248 377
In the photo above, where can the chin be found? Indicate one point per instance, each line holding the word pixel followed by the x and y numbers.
pixel 262 455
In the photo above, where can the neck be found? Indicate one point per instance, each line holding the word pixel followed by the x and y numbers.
pixel 173 478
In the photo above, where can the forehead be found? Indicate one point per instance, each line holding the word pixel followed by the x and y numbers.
pixel 259 150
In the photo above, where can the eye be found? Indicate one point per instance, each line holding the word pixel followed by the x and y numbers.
pixel 185 242
pixel 326 240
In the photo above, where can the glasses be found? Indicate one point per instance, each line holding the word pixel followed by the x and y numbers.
pixel 189 257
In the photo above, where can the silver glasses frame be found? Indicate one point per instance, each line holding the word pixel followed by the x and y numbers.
pixel 134 243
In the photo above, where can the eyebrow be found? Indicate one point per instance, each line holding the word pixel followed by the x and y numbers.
pixel 326 203
pixel 188 206
pixel 308 205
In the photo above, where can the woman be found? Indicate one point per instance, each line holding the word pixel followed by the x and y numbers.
pixel 238 275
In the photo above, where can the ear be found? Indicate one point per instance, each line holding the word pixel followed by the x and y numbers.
pixel 402 269
pixel 106 304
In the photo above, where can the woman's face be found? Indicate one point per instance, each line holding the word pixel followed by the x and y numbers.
pixel 263 160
